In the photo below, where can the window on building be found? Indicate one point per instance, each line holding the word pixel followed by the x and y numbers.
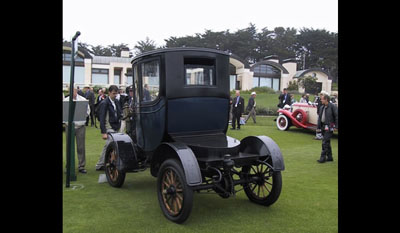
pixel 150 80
pixel 79 74
pixel 100 76
pixel 67 57
pixel 117 76
pixel 275 84
pixel 129 78
pixel 266 76
pixel 256 81
pixel 232 82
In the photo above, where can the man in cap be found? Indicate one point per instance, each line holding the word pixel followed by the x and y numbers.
pixel 127 110
pixel 251 107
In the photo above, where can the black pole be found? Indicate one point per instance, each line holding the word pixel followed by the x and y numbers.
pixel 71 109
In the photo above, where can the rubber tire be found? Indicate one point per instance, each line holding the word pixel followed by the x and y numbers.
pixel 187 204
pixel 273 195
pixel 121 175
pixel 288 123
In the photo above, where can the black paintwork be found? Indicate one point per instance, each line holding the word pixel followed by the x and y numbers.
pixel 189 122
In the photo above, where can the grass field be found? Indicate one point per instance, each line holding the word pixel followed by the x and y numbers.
pixel 308 201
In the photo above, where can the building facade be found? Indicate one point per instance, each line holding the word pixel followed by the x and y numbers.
pixel 274 74
pixel 104 71
pixel 93 70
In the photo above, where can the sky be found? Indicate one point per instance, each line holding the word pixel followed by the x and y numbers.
pixel 107 22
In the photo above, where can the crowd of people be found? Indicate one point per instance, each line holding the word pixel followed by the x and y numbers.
pixel 326 110
pixel 114 114
pixel 112 111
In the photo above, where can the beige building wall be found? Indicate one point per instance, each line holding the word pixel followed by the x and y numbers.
pixel 88 71
pixel 291 67
pixel 321 78
pixel 124 67
pixel 245 76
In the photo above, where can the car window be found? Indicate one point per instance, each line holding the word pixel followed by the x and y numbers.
pixel 199 75
pixel 150 74
pixel 199 72
pixel 135 82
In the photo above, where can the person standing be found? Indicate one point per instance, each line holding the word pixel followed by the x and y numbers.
pixel 80 134
pixel 317 101
pixel 303 99
pixel 237 110
pixel 127 110
pixel 307 98
pixel 99 98
pixel 284 99
pixel 327 122
pixel 80 92
pixel 110 121
pixel 89 95
pixel 146 93
pixel 251 107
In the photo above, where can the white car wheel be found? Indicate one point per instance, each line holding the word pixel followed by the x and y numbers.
pixel 282 122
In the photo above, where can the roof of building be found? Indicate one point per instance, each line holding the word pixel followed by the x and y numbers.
pixel 271 63
pixel 108 60
pixel 302 73
pixel 80 49
pixel 289 60
pixel 245 63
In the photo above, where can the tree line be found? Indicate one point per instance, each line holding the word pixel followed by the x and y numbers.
pixel 313 48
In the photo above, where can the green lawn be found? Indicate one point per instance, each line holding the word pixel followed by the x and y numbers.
pixel 308 201
pixel 267 101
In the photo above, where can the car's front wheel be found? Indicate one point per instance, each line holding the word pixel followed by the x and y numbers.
pixel 282 122
pixel 174 195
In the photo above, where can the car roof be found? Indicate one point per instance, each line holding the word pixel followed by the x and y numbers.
pixel 179 49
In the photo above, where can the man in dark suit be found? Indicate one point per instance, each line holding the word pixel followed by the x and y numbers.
pixel 237 110
pixel 89 95
pixel 327 122
pixel 110 120
pixel 284 99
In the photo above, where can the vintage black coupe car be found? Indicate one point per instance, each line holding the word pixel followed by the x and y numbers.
pixel 181 112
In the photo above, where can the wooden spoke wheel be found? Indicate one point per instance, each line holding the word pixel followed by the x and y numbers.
pixel 174 195
pixel 114 177
pixel 266 184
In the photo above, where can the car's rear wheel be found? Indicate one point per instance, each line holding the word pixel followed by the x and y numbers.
pixel 266 186
pixel 174 195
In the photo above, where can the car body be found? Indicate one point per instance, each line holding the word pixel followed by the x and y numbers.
pixel 181 113
pixel 301 115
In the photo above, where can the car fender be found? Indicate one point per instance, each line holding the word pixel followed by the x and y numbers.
pixel 290 117
pixel 186 157
pixel 263 146
pixel 296 112
pixel 127 156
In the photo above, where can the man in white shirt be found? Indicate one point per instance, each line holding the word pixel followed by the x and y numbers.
pixel 80 132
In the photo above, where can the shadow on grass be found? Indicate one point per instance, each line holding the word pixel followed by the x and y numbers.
pixel 207 208
pixel 296 130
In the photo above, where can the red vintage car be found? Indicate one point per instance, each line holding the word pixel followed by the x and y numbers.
pixel 301 115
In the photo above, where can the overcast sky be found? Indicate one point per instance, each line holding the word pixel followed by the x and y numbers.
pixel 106 22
